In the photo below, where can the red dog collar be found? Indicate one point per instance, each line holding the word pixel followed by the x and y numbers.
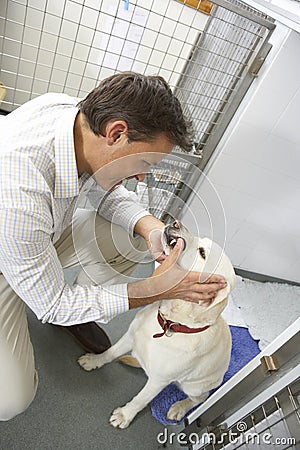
pixel 170 327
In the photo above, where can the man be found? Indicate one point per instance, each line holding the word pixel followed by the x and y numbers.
pixel 52 150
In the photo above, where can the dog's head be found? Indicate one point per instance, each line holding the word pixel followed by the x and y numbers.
pixel 201 255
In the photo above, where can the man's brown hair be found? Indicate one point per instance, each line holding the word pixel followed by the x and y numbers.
pixel 145 103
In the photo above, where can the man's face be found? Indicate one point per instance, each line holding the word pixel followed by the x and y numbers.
pixel 132 160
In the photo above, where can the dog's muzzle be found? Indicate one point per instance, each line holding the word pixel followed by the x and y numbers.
pixel 172 233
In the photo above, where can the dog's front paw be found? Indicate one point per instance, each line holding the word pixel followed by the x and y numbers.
pixel 89 361
pixel 178 410
pixel 119 418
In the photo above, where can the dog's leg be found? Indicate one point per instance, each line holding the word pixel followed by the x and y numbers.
pixel 179 409
pixel 123 416
pixel 90 361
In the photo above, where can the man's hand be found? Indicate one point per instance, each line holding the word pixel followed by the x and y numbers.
pixel 169 281
pixel 151 229
pixel 154 243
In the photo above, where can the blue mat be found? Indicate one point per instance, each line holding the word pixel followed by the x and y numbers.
pixel 244 348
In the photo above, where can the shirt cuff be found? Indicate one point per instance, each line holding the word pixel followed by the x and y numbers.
pixel 116 300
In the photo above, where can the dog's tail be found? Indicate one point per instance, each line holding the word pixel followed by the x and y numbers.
pixel 129 361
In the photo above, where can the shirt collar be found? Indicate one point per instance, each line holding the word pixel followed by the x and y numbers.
pixel 66 174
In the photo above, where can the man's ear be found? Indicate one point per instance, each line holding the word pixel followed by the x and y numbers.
pixel 115 130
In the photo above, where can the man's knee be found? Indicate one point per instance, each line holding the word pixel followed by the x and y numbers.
pixel 113 241
pixel 109 254
pixel 17 398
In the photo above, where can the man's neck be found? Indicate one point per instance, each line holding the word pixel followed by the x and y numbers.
pixel 78 144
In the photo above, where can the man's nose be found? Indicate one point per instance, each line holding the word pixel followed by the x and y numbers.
pixel 140 177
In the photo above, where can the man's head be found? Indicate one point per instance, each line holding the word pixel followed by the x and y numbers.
pixel 145 103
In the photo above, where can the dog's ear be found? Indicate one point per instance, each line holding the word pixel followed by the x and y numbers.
pixel 227 271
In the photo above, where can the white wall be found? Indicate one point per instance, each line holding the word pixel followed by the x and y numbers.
pixel 257 171
pixel 286 12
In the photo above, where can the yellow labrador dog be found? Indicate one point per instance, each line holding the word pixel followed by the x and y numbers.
pixel 175 340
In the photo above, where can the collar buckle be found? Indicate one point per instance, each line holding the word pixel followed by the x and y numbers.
pixel 169 332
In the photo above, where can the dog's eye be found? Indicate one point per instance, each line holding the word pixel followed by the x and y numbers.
pixel 202 252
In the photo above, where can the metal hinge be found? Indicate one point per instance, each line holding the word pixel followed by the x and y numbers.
pixel 259 60
pixel 269 363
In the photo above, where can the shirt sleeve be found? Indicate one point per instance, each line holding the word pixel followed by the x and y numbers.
pixel 29 262
pixel 119 206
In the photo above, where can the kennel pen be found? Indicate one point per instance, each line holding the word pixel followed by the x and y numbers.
pixel 210 53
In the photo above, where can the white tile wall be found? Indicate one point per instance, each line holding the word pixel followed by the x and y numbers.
pixel 56 8
pixel 52 24
pixel 90 43
pixel 257 171
pixel 38 4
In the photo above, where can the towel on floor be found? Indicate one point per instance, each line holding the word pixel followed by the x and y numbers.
pixel 244 349
pixel 267 308
pixel 232 314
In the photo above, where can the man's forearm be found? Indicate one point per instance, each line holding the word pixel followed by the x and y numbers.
pixel 146 225
pixel 139 294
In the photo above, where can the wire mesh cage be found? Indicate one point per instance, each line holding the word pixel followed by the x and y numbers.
pixel 163 192
pixel 270 423
pixel 204 51
pixel 268 426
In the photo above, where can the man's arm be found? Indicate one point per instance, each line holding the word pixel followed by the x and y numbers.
pixel 120 206
pixel 30 264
